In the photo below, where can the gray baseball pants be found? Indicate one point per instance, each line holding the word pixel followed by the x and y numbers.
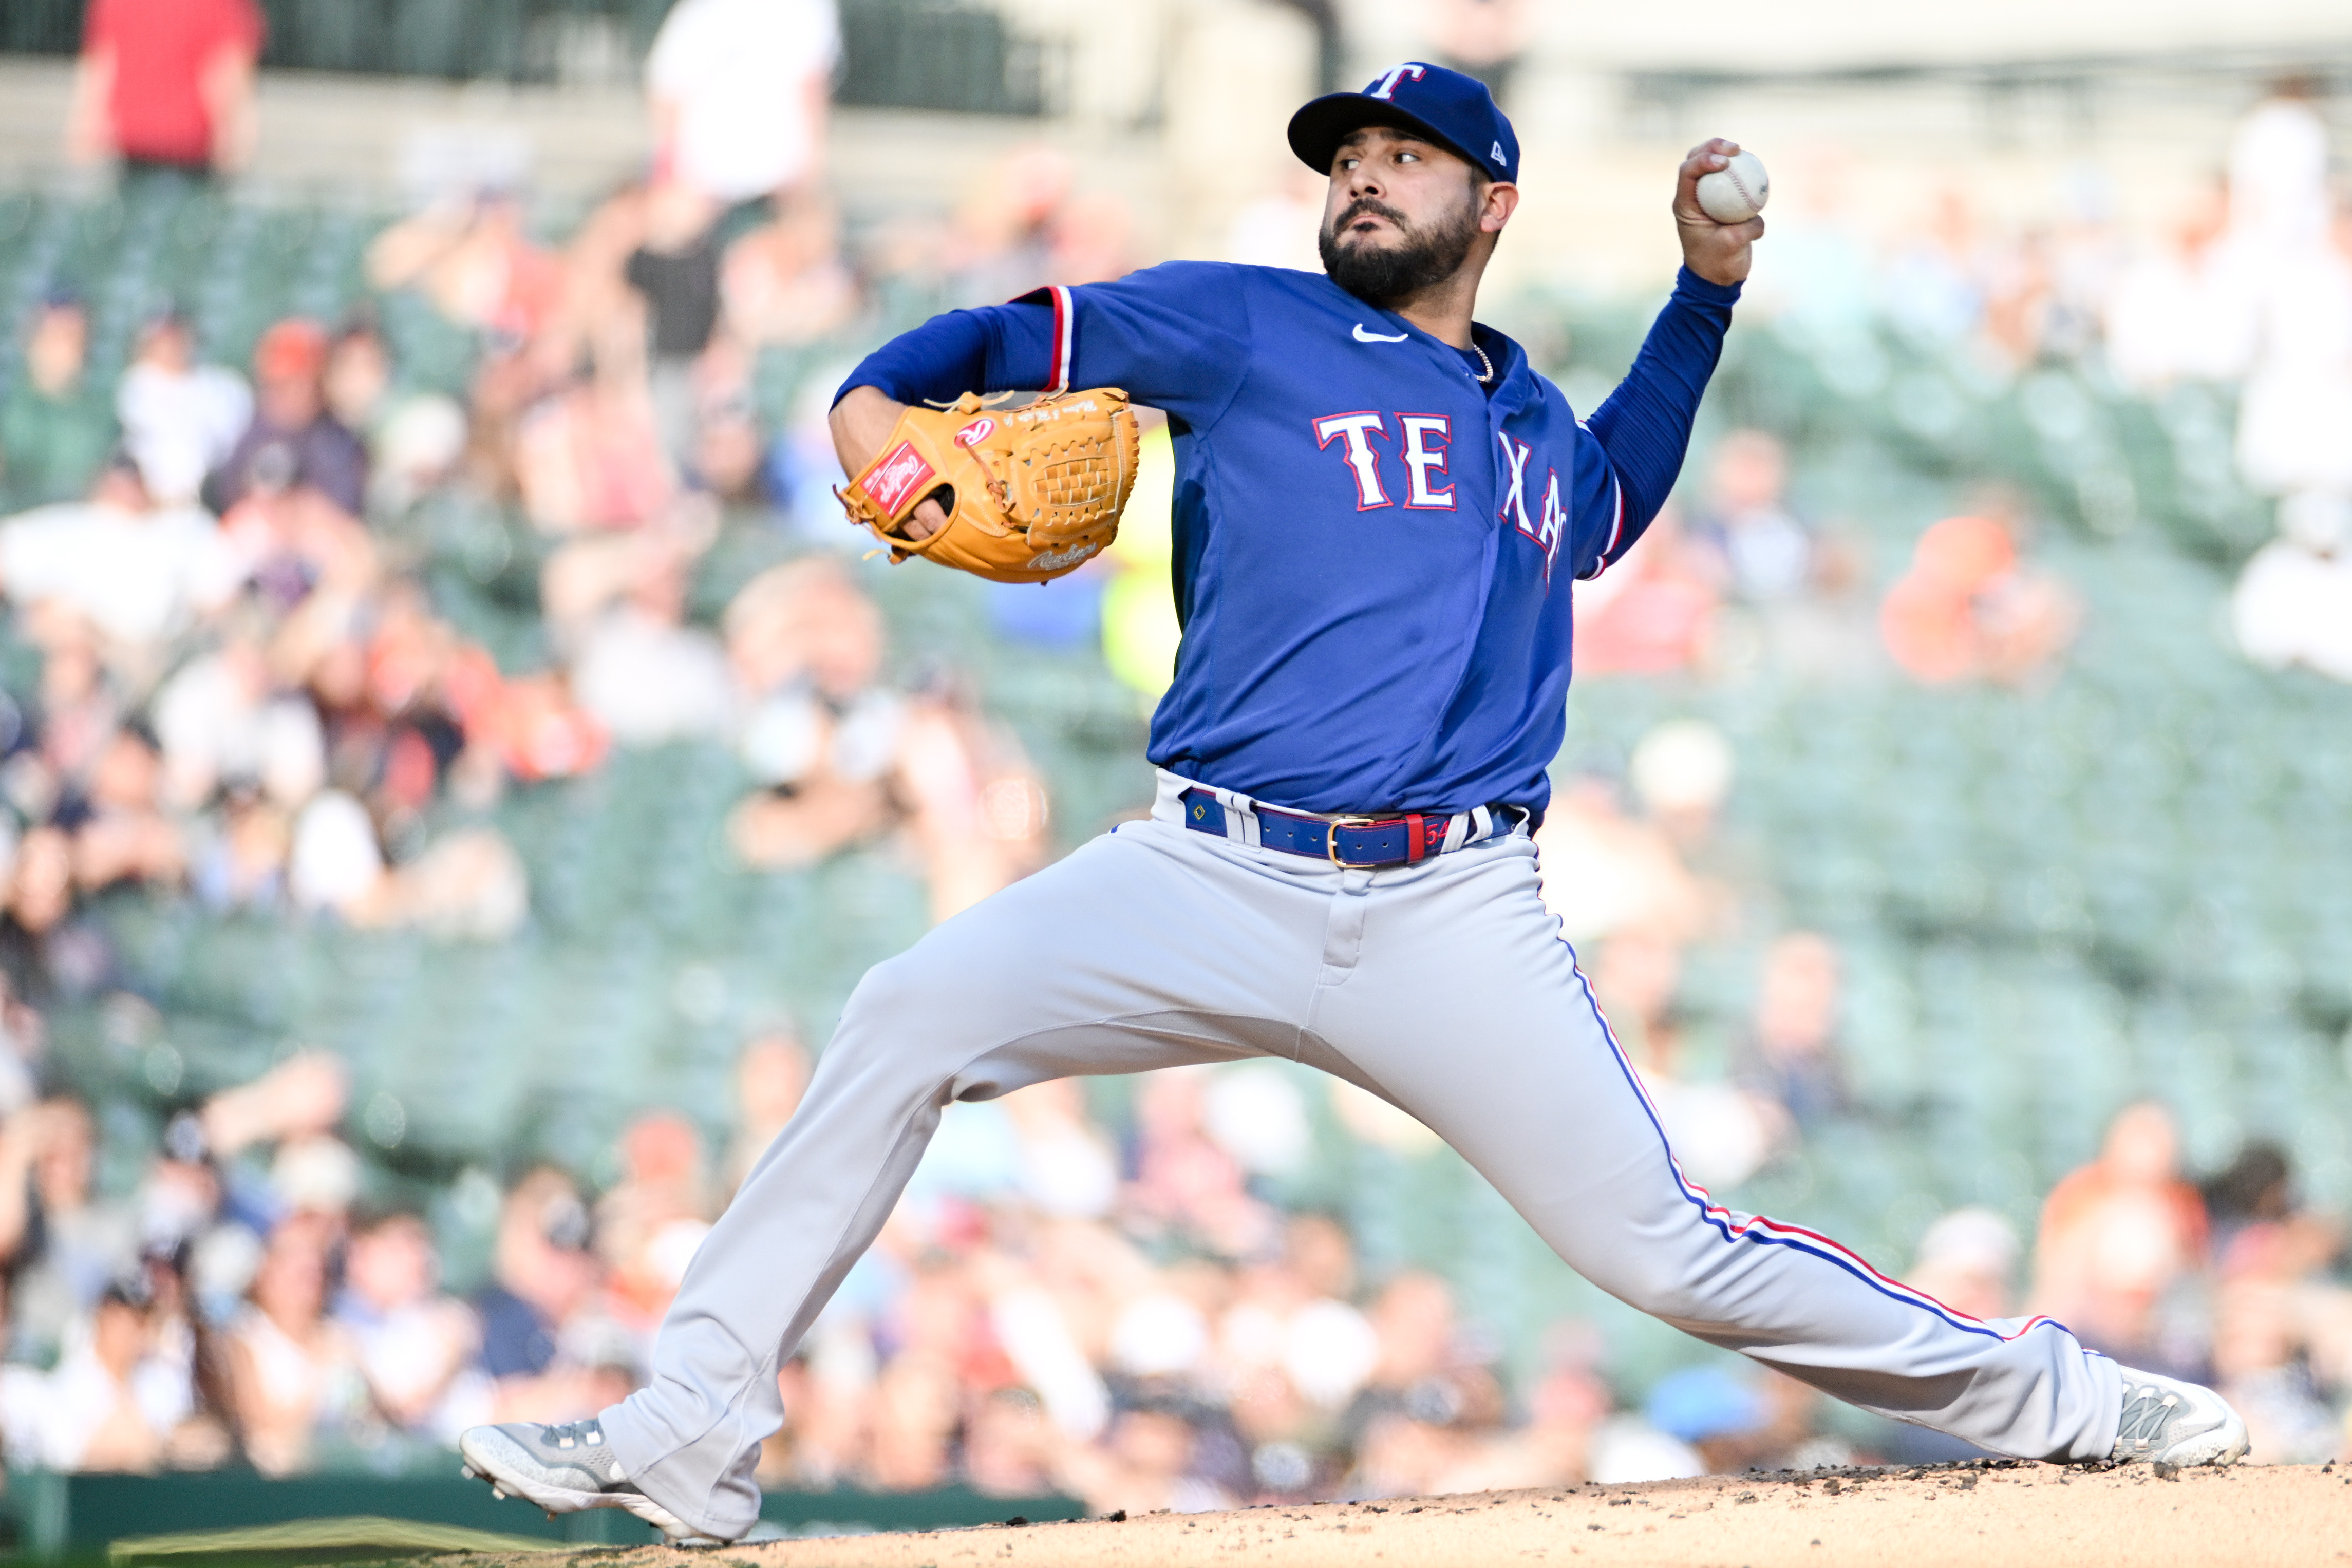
pixel 1443 988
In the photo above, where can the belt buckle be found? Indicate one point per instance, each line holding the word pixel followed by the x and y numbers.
pixel 1331 839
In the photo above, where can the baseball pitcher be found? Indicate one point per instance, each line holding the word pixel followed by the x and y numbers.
pixel 1380 509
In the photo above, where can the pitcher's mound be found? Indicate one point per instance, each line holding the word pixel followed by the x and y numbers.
pixel 1974 1516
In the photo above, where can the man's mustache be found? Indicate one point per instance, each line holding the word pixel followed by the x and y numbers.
pixel 1363 204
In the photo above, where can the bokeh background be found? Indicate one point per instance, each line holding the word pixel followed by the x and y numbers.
pixel 455 760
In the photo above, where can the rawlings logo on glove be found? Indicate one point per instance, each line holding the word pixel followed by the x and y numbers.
pixel 1029 493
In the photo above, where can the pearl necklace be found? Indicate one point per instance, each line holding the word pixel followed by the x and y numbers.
pixel 1485 364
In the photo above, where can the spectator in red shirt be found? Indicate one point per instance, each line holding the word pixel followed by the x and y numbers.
pixel 167 83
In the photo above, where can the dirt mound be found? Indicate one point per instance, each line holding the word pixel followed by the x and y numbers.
pixel 1977 1516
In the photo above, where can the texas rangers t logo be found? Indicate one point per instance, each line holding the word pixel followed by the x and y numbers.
pixel 1386 86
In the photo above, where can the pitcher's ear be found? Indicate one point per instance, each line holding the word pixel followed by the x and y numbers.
pixel 1500 200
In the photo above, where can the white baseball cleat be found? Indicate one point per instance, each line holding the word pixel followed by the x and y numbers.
pixel 566 1468
pixel 2169 1422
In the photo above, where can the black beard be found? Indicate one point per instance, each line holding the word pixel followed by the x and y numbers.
pixel 1379 274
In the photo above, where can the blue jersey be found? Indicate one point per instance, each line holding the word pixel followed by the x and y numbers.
pixel 1373 553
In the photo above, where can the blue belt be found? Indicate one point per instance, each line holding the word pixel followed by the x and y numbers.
pixel 1360 842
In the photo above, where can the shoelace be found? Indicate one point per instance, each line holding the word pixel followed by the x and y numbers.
pixel 2146 1416
pixel 572 1434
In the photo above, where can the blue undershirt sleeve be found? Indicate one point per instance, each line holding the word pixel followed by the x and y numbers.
pixel 1643 427
pixel 994 348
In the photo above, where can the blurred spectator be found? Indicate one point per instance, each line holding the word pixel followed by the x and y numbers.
pixel 2278 168
pixel 727 456
pixel 1635 976
pixel 1932 287
pixel 771 1075
pixel 2283 1326
pixel 676 272
pixel 1967 1261
pixel 125 837
pixel 1430 1399
pixel 293 442
pixel 843 759
pixel 222 725
pixel 1680 772
pixel 1968 608
pixel 240 863
pixel 1625 1448
pixel 140 574
pixel 976 808
pixel 112 1403
pixel 1184 1181
pixel 2297 394
pixel 56 428
pixel 784 281
pixel 2257 1187
pixel 62 1243
pixel 2118 1236
pixel 1718 1413
pixel 617 607
pixel 1792 1053
pixel 1068 1168
pixel 418 449
pixel 295 1378
pixel 2187 308
pixel 80 705
pixel 358 380
pixel 1291 1352
pixel 1009 1448
pixel 821 735
pixel 1766 554
pixel 302 1097
pixel 167 84
pixel 589 455
pixel 476 261
pixel 1651 614
pixel 2293 604
pixel 649 1224
pixel 334 861
pixel 1606 872
pixel 24 1042
pixel 538 1343
pixel 1027 223
pixel 1147 1464
pixel 1722 1133
pixel 416 1347
pixel 738 91
pixel 1277 229
pixel 1482 38
pixel 180 419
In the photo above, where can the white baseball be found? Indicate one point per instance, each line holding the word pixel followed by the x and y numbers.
pixel 1738 192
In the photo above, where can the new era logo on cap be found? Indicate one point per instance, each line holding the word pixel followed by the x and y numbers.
pixel 1445 106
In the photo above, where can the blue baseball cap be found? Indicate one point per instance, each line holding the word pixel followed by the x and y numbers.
pixel 1449 108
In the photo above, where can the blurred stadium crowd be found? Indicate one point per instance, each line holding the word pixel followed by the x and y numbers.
pixel 307 606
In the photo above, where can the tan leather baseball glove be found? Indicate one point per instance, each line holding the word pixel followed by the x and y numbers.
pixel 1032 492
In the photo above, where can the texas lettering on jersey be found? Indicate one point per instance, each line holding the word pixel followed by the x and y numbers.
pixel 1551 523
pixel 1425 444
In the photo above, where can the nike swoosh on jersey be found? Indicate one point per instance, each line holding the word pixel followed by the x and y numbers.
pixel 1364 337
